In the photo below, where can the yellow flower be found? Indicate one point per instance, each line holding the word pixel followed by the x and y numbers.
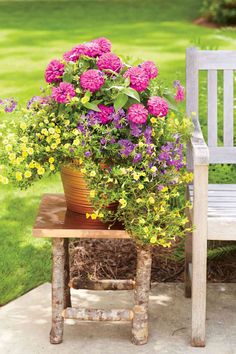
pixel 136 176
pixel 51 159
pixel 24 154
pixel 46 121
pixel 32 164
pixel 92 193
pixel 41 171
pixel 53 146
pixel 123 203
pixel 151 200
pixel 74 99
pixel 100 215
pixel 84 99
pixel 76 142
pixel 51 130
pixel 83 170
pixel 12 156
pixel 44 131
pixel 30 151
pixel 52 167
pixel 94 216
pixel 153 169
pixel 58 141
pixel 48 149
pixel 123 170
pixel 8 148
pixel 140 186
pixel 23 147
pixel 140 144
pixel 88 215
pixel 23 125
pixel 19 160
pixel 24 139
pixel 141 221
pixel 139 200
pixel 145 229
pixel 92 174
pixel 153 120
pixel 28 174
pixel 19 176
pixel 153 239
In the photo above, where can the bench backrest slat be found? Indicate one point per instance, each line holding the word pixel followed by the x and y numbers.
pixel 212 61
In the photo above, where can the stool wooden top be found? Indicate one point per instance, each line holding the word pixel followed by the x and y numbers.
pixel 54 220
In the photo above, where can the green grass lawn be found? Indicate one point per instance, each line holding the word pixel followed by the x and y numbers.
pixel 34 32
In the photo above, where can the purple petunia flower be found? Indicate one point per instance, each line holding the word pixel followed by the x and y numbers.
pixel 9 104
pixel 148 135
pixel 32 100
pixel 172 155
pixel 137 157
pixel 112 141
pixel 103 141
pixel 127 147
pixel 135 130
pixel 87 153
pixel 150 150
pixel 81 128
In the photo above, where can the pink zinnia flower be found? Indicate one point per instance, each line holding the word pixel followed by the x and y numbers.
pixel 157 106
pixel 137 113
pixel 92 80
pixel 63 93
pixel 74 53
pixel 92 49
pixel 106 113
pixel 139 80
pixel 104 44
pixel 54 71
pixel 109 61
pixel 150 68
pixel 179 92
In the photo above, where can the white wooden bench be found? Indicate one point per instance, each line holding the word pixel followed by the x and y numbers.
pixel 214 205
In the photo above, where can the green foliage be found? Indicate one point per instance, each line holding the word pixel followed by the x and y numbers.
pixel 222 12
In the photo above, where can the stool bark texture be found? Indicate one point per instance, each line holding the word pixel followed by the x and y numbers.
pixel 85 314
pixel 141 295
pixel 104 284
pixel 58 295
pixel 67 297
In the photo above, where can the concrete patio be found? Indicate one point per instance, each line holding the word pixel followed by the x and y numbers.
pixel 25 323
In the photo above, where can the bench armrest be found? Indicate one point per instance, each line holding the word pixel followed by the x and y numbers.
pixel 198 151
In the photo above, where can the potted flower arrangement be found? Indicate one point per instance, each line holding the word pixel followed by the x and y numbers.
pixel 114 132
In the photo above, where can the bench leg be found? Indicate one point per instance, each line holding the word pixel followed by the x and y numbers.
pixel 188 261
pixel 67 296
pixel 199 282
pixel 58 279
pixel 141 295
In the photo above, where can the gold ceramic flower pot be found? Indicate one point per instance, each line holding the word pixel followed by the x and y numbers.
pixel 76 191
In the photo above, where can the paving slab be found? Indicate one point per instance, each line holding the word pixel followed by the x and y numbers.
pixel 25 323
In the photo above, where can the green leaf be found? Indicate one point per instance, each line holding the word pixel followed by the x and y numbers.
pixel 132 93
pixel 67 77
pixel 68 73
pixel 120 101
pixel 92 105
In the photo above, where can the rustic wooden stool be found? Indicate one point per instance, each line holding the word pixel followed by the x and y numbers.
pixel 60 224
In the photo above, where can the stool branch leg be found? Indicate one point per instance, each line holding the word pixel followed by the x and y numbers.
pixel 67 296
pixel 141 295
pixel 58 285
